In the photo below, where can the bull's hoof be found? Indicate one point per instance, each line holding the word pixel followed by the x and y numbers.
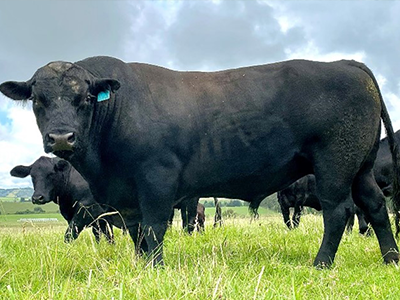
pixel 68 239
pixel 155 262
pixel 391 257
pixel 323 263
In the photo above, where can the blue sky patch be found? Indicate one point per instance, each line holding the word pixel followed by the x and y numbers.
pixel 4 119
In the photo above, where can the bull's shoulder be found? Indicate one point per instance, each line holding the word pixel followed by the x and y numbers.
pixel 105 66
pixel 100 60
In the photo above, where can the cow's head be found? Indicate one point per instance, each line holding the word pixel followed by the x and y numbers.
pixel 48 176
pixel 64 97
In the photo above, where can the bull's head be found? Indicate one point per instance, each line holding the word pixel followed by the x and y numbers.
pixel 64 97
pixel 48 175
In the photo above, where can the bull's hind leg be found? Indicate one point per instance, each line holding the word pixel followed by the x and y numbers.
pixel 334 178
pixel 336 208
pixel 369 198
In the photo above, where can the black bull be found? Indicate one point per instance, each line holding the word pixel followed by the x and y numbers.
pixel 145 137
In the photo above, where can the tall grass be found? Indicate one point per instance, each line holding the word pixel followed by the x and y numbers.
pixel 241 260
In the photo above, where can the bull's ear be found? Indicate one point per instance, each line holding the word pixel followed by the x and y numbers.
pixel 16 90
pixel 104 84
pixel 21 171
pixel 61 166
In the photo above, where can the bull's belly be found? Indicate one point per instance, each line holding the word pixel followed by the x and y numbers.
pixel 247 176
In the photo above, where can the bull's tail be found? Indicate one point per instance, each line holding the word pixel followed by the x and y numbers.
pixel 392 145
pixel 396 164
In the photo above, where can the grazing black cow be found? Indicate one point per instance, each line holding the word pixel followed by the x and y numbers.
pixel 200 217
pixel 303 193
pixel 383 168
pixel 218 213
pixel 188 208
pixel 146 137
pixel 54 179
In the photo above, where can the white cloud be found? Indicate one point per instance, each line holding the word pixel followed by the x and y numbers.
pixel 312 52
pixel 20 143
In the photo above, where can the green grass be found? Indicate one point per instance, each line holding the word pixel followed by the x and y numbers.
pixel 244 259
pixel 10 199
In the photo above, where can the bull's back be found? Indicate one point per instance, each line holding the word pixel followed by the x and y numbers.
pixel 259 127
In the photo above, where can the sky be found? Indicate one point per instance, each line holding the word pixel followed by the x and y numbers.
pixel 186 35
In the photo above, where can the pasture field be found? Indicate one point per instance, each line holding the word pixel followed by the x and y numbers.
pixel 244 259
pixel 239 211
pixel 10 207
pixel 9 199
pixel 32 220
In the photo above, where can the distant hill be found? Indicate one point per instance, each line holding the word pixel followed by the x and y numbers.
pixel 17 192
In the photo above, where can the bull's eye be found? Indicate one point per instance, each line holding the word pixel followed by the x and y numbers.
pixel 89 98
pixel 34 100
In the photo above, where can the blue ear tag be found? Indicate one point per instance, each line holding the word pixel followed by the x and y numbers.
pixel 103 96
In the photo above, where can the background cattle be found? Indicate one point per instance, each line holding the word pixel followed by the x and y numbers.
pixel 218 213
pixel 302 193
pixel 200 217
pixel 146 137
pixel 189 212
pixel 190 221
pixel 56 180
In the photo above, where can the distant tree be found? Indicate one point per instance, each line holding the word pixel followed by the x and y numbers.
pixel 271 203
pixel 38 210
pixel 234 202
pixel 24 212
pixel 208 203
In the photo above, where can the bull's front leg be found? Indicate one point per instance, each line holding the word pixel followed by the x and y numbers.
pixel 136 233
pixel 72 232
pixel 157 184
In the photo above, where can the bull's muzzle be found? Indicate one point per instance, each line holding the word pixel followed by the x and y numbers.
pixel 60 142
pixel 38 200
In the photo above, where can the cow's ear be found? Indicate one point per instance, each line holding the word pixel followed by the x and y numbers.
pixel 21 171
pixel 105 84
pixel 61 166
pixel 16 90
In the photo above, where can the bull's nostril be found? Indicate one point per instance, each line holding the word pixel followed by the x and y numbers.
pixel 37 199
pixel 61 142
pixel 52 141
pixel 71 138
